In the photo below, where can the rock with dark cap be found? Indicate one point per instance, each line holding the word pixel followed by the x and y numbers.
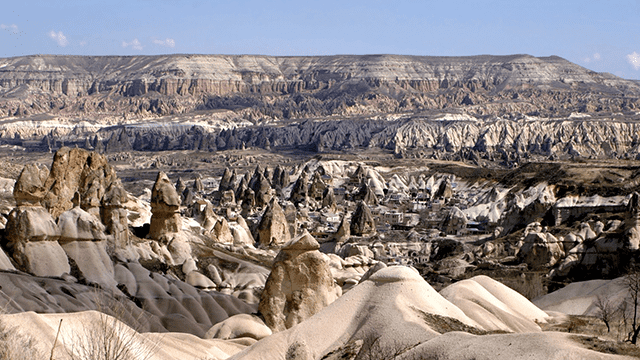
pixel 165 204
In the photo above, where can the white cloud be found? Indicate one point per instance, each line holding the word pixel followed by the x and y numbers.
pixel 634 60
pixel 134 44
pixel 59 38
pixel 11 28
pixel 166 42
pixel 594 57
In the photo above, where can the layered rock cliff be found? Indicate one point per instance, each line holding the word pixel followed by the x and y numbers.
pixel 297 87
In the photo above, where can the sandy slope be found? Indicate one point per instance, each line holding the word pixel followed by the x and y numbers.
pixel 550 346
pixel 395 305
pixel 578 298
pixel 43 328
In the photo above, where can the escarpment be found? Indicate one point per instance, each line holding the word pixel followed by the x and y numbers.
pixel 298 87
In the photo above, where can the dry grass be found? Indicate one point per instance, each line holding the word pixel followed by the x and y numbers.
pixel 15 345
pixel 109 338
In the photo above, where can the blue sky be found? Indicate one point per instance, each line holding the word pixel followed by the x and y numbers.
pixel 599 35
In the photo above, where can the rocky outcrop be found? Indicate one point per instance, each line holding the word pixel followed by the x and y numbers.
pixel 273 229
pixel 114 214
pixel 77 171
pixel 329 199
pixel 29 188
pixel 226 182
pixel 455 221
pixel 262 190
pixel 32 236
pixel 366 195
pixel 541 250
pixel 165 205
pixel 78 225
pixel 362 222
pixel 300 191
pixel 30 223
pixel 306 86
pixel 300 285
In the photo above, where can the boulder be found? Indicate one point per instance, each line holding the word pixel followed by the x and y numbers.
pixel 348 250
pixel 300 284
pixel 42 258
pixel 273 229
pixel 165 204
pixel 199 281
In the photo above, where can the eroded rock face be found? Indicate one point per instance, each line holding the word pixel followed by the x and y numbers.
pixel 165 204
pixel 362 222
pixel 77 171
pixel 114 214
pixel 300 285
pixel 29 188
pixel 455 221
pixel 32 236
pixel 31 223
pixel 273 229
pixel 226 182
pixel 366 195
pixel 78 225
pixel 300 191
pixel 541 250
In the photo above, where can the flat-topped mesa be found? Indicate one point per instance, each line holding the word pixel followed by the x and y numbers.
pixel 223 74
pixel 165 206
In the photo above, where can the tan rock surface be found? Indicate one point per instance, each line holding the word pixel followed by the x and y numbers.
pixel 29 188
pixel 300 285
pixel 273 229
pixel 165 204
pixel 43 258
pixel 78 225
pixel 238 326
pixel 93 262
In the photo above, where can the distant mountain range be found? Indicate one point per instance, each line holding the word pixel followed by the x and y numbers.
pixel 268 87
